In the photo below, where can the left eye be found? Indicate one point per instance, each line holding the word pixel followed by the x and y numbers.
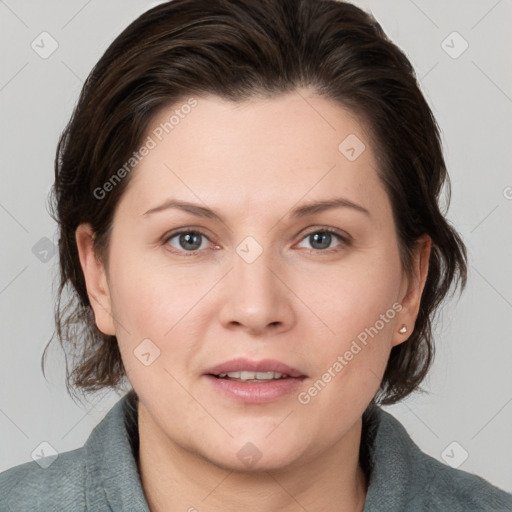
pixel 188 240
pixel 321 239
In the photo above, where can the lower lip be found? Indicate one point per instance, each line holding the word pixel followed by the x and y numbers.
pixel 256 392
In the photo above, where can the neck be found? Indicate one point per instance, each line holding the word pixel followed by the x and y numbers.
pixel 174 478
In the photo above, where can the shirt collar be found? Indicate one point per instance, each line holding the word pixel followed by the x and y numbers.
pixel 112 473
pixel 388 449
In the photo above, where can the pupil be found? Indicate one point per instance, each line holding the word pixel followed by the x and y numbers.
pixel 187 240
pixel 322 238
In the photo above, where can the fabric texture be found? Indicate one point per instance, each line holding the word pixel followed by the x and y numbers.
pixel 103 475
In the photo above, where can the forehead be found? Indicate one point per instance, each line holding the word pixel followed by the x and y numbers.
pixel 257 153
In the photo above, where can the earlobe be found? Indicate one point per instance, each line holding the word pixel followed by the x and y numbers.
pixel 411 299
pixel 95 279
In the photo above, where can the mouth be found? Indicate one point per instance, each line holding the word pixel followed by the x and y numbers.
pixel 247 376
pixel 255 381
pixel 245 370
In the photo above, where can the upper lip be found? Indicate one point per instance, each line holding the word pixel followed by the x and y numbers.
pixel 264 365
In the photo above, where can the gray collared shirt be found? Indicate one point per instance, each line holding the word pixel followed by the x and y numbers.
pixel 103 475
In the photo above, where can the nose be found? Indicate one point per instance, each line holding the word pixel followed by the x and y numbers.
pixel 257 298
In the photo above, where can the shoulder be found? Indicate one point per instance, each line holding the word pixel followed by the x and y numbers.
pixel 443 487
pixel 404 477
pixel 31 486
pixel 102 475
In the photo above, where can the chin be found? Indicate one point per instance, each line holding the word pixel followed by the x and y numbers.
pixel 245 456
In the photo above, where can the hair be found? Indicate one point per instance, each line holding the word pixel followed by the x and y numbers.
pixel 238 50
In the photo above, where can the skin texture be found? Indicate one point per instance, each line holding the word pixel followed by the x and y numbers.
pixel 252 163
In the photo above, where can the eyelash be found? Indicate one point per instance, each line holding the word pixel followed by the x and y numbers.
pixel 343 239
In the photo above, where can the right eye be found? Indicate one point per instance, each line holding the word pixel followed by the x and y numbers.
pixel 187 241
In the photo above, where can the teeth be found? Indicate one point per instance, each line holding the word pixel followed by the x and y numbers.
pixel 244 375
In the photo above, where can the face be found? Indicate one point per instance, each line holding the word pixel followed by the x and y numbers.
pixel 218 263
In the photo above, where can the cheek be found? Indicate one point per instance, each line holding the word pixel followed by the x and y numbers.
pixel 352 297
pixel 160 304
pixel 150 297
pixel 138 303
pixel 359 310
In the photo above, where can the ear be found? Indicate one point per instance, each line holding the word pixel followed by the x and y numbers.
pixel 95 279
pixel 412 289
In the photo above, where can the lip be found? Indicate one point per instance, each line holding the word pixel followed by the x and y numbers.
pixel 265 365
pixel 255 392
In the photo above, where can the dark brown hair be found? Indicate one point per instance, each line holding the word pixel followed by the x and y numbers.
pixel 241 49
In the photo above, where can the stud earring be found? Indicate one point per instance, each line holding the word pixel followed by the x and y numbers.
pixel 403 329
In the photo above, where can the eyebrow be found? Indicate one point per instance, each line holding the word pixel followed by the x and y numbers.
pixel 299 212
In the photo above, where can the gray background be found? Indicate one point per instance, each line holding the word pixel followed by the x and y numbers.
pixel 470 385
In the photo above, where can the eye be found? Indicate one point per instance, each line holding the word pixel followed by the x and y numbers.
pixel 193 241
pixel 188 241
pixel 322 239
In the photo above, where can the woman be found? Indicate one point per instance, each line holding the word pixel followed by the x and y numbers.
pixel 247 195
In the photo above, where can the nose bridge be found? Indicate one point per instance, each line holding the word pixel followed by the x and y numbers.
pixel 253 279
pixel 257 299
